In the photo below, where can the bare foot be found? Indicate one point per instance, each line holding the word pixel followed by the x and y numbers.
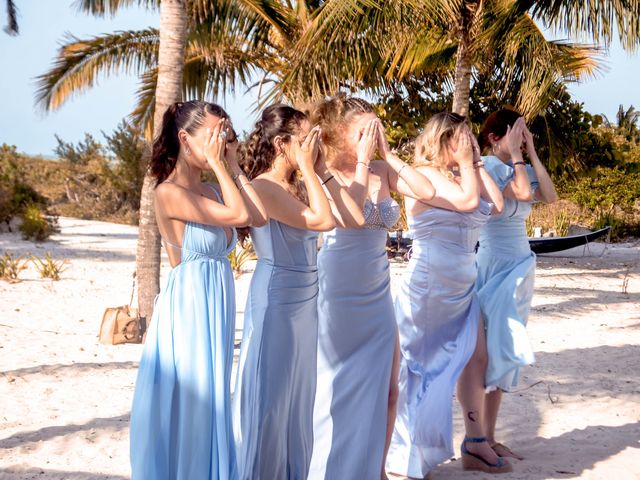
pixel 504 451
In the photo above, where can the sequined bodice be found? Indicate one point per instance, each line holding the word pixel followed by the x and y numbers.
pixel 382 215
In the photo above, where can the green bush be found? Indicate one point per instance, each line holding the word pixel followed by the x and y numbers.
pixel 35 226
pixel 603 189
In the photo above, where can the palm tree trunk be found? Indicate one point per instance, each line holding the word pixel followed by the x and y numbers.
pixel 462 79
pixel 173 38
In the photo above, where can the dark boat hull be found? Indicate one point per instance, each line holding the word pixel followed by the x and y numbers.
pixel 558 244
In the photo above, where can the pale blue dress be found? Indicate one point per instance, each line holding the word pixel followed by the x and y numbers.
pixel 506 271
pixel 437 310
pixel 357 334
pixel 276 385
pixel 181 413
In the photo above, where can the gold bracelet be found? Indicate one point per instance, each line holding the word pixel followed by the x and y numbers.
pixel 366 164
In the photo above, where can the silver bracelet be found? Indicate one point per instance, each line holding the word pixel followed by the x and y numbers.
pixel 403 165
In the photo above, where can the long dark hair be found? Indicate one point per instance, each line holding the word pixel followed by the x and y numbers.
pixel 496 123
pixel 187 116
pixel 258 152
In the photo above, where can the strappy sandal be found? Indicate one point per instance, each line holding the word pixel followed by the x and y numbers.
pixel 503 451
pixel 471 461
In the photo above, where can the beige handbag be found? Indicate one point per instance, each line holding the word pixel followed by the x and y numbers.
pixel 121 324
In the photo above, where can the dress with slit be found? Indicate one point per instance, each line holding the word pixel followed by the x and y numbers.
pixel 437 311
pixel 356 341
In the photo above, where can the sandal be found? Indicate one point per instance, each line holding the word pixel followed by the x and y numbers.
pixel 471 461
pixel 504 451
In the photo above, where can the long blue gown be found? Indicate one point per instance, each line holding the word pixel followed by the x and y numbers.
pixel 357 333
pixel 275 390
pixel 437 311
pixel 506 271
pixel 181 413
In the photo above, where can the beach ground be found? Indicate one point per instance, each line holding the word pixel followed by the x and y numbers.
pixel 65 399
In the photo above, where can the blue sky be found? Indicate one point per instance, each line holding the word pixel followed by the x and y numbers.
pixel 44 24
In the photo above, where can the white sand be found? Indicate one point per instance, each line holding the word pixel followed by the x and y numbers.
pixel 65 399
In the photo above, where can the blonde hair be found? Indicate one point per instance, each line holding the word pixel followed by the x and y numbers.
pixel 433 142
pixel 332 115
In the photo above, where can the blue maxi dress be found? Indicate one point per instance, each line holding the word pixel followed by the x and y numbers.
pixel 276 385
pixel 181 415
pixel 437 311
pixel 506 271
pixel 357 336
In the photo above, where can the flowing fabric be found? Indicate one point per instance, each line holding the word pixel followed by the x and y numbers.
pixel 357 333
pixel 275 390
pixel 506 271
pixel 437 311
pixel 181 413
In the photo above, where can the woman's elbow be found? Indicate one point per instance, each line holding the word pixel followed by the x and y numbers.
pixel 259 220
pixel 427 194
pixel 470 205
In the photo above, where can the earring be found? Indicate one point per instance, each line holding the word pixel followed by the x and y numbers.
pixel 187 151
pixel 494 149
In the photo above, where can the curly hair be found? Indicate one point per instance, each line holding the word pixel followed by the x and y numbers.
pixel 258 152
pixel 333 114
pixel 187 116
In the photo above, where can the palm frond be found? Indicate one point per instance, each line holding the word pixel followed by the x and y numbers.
pixel 80 63
pixel 102 8
pixel 595 21
pixel 12 19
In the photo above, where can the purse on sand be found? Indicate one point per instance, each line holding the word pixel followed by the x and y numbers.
pixel 121 324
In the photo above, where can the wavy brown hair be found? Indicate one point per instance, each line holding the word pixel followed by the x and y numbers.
pixel 333 114
pixel 187 116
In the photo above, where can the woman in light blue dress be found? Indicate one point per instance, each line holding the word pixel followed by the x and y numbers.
pixel 506 265
pixel 437 309
pixel 276 385
pixel 181 413
pixel 357 329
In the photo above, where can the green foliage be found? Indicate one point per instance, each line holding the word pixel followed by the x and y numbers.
pixel 35 225
pixel 83 153
pixel 128 147
pixel 48 267
pixel 16 194
pixel 603 189
pixel 561 223
pixel 101 186
pixel 10 267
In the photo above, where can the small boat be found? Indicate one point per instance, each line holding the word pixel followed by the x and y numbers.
pixel 558 244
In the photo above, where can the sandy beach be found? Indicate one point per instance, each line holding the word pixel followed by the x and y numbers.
pixel 65 399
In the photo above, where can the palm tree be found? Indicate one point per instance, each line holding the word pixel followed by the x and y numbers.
pixel 12 18
pixel 171 41
pixel 627 122
pixel 457 40
pixel 495 38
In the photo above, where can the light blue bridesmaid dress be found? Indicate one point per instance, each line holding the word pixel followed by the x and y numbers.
pixel 181 413
pixel 356 341
pixel 276 385
pixel 506 270
pixel 437 311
